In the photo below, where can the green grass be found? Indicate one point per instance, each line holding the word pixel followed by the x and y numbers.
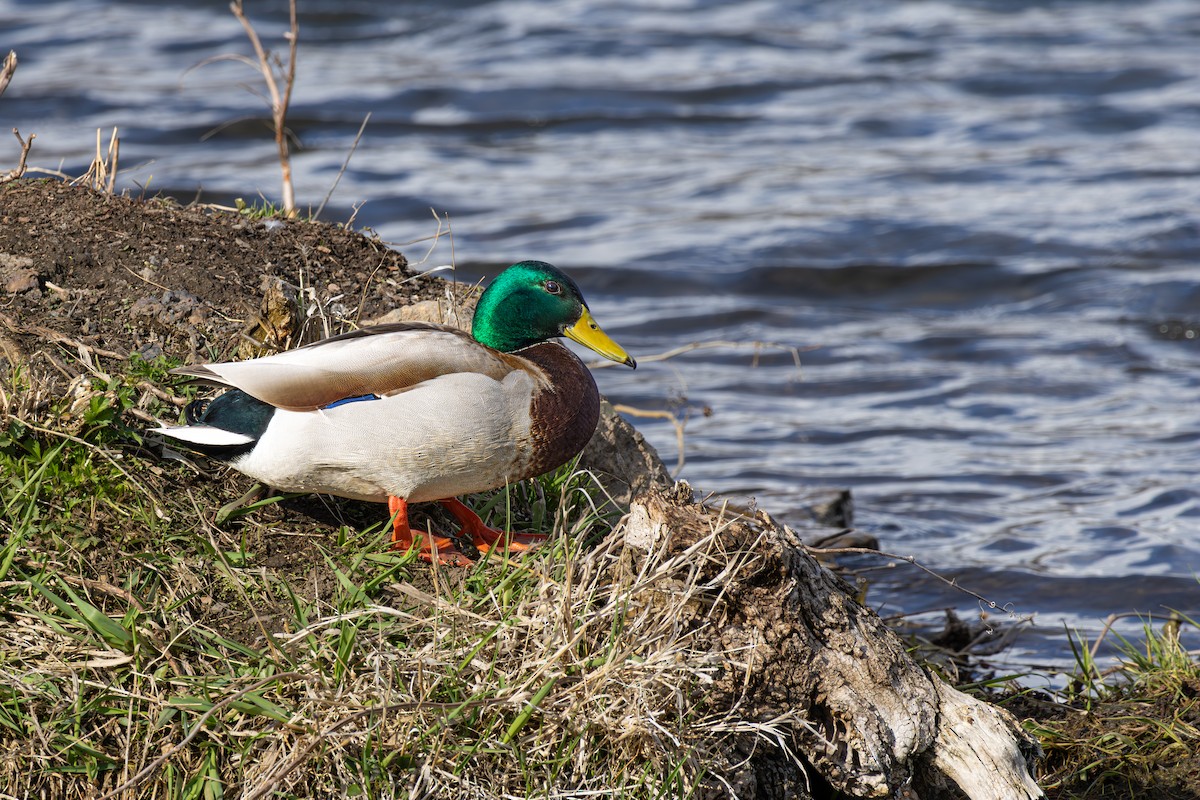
pixel 1129 731
pixel 147 652
pixel 259 209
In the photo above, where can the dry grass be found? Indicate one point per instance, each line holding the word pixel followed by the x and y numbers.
pixel 148 653
pixel 101 174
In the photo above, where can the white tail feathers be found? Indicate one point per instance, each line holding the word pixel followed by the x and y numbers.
pixel 205 435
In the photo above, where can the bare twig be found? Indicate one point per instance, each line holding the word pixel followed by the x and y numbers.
pixel 345 164
pixel 280 100
pixel 12 175
pixel 114 152
pixel 689 347
pixel 992 605
pixel 166 397
pixel 55 173
pixel 7 70
pixel 53 335
pixel 667 415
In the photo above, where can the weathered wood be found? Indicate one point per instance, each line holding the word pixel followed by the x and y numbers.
pixel 813 687
pixel 979 749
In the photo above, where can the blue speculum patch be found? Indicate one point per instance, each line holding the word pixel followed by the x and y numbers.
pixel 345 400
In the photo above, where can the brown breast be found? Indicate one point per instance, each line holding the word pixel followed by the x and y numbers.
pixel 564 415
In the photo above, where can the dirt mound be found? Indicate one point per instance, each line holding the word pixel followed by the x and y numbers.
pixel 119 275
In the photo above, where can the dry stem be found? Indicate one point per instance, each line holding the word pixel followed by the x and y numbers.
pixel 690 346
pixel 26 144
pixel 280 100
pixel 102 173
pixel 7 69
pixel 667 415
pixel 984 603
pixel 345 164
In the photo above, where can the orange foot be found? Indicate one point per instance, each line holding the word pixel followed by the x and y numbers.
pixel 444 550
pixel 486 538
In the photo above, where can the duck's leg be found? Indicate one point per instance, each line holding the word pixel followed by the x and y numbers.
pixel 486 538
pixel 402 538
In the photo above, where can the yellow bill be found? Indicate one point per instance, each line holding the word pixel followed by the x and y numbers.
pixel 592 336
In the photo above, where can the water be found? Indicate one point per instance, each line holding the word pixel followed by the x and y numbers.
pixel 979 220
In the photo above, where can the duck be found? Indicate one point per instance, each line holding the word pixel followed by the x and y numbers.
pixel 415 412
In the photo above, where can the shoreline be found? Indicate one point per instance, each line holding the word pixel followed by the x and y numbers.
pixel 100 293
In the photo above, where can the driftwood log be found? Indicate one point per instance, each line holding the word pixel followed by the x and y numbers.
pixel 816 693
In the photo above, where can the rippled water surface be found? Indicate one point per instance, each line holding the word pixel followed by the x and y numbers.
pixel 978 220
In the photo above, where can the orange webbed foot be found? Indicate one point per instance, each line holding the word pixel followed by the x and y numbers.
pixel 443 549
pixel 486 538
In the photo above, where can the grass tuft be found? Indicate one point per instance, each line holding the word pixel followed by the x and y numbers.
pixel 1130 731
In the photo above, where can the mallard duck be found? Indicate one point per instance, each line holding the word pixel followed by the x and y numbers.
pixel 414 412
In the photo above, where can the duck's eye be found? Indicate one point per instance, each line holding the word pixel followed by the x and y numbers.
pixel 553 287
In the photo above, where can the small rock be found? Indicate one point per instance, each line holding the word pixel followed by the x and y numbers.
pixel 21 281
pixel 149 351
pixel 17 273
pixel 440 312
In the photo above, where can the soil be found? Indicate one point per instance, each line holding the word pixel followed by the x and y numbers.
pixel 126 276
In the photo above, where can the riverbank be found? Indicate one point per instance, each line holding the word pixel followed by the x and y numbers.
pixel 254 653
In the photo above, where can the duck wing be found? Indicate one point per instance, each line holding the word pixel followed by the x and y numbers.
pixel 381 360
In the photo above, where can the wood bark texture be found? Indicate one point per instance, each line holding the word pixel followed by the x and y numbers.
pixel 814 691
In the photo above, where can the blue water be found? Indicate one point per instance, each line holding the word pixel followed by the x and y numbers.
pixel 979 221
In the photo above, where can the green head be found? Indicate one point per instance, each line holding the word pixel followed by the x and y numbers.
pixel 534 302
